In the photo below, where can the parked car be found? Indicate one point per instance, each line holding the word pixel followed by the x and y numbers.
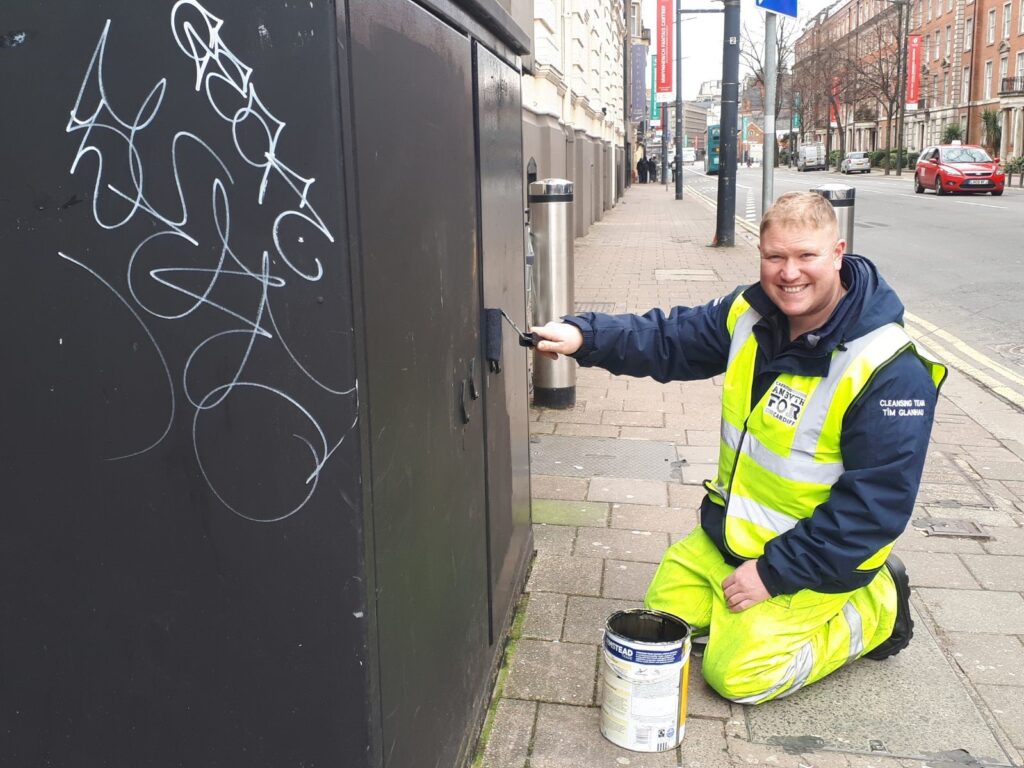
pixel 811 157
pixel 855 162
pixel 958 168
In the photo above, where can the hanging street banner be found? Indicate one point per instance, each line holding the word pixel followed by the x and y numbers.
pixel 638 82
pixel 913 70
pixel 664 59
pixel 785 7
pixel 655 112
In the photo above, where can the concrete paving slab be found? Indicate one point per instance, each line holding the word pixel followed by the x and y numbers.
pixel 909 706
pixel 559 512
pixel 570 737
pixel 577 415
pixel 628 491
pixel 615 544
pixel 1005 541
pixel 545 615
pixel 1007 704
pixel 552 671
pixel 663 434
pixel 991 659
pixel 702 701
pixel 915 540
pixel 998 470
pixel 971 610
pixel 568 575
pixel 685 496
pixel 997 572
pixel 703 437
pixel 553 539
pixel 981 515
pixel 602 457
pixel 696 474
pixel 554 487
pixel 627 580
pixel 938 569
pixel 950 494
pixel 667 519
pixel 508 744
pixel 698 454
pixel 633 418
pixel 585 617
pixel 585 430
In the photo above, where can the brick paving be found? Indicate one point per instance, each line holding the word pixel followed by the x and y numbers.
pixel 955 698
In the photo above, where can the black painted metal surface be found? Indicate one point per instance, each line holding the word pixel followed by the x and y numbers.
pixel 500 125
pixel 414 127
pixel 180 542
pixel 217 217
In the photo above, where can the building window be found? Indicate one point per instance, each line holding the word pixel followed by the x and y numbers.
pixel 1020 18
pixel 949 41
pixel 965 96
pixel 938 7
pixel 949 6
pixel 1007 11
pixel 969 32
pixel 991 26
pixel 1004 67
pixel 1020 64
pixel 928 10
pixel 988 79
pixel 937 41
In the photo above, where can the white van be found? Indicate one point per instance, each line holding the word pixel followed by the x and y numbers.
pixel 811 157
pixel 689 155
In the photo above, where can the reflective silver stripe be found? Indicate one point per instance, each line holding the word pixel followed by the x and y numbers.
pixel 742 508
pixel 730 435
pixel 852 616
pixel 796 675
pixel 812 421
pixel 795 467
pixel 744 329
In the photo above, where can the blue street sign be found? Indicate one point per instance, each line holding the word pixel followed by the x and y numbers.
pixel 785 7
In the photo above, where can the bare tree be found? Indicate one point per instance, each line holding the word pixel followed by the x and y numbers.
pixel 752 54
pixel 877 66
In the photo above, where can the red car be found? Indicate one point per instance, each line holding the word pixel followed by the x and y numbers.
pixel 958 168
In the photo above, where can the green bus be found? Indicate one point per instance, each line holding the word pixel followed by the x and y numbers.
pixel 712 149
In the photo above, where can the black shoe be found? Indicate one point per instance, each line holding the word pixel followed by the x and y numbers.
pixel 903 629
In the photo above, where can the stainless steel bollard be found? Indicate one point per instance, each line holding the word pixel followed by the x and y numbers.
pixel 842 198
pixel 551 224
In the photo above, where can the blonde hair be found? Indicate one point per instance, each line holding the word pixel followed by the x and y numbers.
pixel 801 209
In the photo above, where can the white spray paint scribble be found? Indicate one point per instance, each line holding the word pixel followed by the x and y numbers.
pixel 219 75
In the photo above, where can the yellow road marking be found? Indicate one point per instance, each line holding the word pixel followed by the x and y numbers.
pixel 968 350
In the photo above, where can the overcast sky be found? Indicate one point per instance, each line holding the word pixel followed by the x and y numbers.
pixel 702 36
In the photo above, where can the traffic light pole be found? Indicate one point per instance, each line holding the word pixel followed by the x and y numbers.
pixel 725 230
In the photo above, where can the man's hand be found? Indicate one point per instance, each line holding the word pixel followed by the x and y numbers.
pixel 744 588
pixel 561 339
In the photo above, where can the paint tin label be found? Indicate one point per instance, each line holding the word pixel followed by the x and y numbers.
pixel 645 681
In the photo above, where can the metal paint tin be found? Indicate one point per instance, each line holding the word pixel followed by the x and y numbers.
pixel 646 673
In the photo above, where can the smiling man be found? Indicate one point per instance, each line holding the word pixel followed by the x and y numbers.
pixel 790 573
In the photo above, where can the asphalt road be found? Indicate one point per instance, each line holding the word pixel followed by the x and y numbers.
pixel 956 261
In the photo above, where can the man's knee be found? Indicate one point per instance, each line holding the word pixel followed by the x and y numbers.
pixel 759 679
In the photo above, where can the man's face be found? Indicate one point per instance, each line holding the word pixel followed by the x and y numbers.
pixel 800 273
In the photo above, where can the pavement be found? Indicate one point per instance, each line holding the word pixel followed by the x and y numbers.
pixel 616 479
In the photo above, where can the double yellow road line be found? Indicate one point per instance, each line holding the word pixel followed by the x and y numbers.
pixel 958 354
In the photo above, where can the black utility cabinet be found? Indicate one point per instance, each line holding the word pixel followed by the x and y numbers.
pixel 266 503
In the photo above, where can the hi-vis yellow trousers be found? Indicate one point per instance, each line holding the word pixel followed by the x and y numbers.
pixel 778 646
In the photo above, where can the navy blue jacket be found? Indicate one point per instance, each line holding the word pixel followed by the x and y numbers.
pixel 883 451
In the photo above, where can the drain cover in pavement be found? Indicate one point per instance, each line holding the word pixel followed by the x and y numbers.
pixel 602 457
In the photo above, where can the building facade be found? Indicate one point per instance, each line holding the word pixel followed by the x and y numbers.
pixel 574 98
pixel 971 63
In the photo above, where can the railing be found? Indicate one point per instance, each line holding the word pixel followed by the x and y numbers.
pixel 1012 84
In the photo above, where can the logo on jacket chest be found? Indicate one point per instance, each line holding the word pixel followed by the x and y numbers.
pixel 785 403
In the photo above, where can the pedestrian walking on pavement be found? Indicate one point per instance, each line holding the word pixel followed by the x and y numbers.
pixel 827 407
pixel 652 169
pixel 641 170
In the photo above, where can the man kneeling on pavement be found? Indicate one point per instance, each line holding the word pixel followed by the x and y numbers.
pixel 827 406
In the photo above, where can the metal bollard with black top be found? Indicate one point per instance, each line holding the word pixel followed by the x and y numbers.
pixel 842 198
pixel 551 224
